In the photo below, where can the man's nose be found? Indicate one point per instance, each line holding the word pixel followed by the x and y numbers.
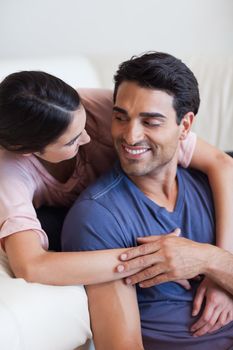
pixel 133 133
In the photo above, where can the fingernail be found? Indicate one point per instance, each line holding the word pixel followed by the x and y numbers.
pixel 178 231
pixel 120 268
pixel 123 256
pixel 128 281
pixel 194 313
pixel 141 285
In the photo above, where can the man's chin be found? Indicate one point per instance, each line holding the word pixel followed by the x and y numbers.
pixel 133 169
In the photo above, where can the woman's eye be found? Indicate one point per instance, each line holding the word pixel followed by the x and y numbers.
pixel 71 143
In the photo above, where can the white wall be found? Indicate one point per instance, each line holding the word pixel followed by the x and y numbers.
pixel 97 27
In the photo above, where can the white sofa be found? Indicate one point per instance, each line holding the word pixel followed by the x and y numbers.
pixel 35 316
pixel 48 318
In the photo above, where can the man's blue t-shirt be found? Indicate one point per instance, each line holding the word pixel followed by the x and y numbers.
pixel 113 212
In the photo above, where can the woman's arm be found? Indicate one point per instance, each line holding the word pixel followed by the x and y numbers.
pixel 30 261
pixel 24 249
pixel 218 166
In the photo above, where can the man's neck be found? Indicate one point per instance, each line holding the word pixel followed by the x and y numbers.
pixel 160 186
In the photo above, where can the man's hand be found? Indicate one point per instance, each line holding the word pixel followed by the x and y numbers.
pixel 164 258
pixel 218 310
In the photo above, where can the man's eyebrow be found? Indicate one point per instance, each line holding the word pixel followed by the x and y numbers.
pixel 75 138
pixel 152 115
pixel 118 109
pixel 142 114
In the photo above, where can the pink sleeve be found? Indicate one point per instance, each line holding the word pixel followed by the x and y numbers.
pixel 187 147
pixel 100 151
pixel 17 212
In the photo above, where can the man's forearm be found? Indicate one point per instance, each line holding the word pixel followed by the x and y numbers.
pixel 220 267
pixel 170 258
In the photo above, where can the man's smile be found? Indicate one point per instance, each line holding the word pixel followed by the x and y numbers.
pixel 134 151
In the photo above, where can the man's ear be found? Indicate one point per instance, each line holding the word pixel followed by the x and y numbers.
pixel 186 124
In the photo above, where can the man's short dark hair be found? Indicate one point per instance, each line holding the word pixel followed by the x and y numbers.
pixel 161 71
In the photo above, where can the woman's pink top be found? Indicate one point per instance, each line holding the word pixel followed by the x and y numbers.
pixel 26 184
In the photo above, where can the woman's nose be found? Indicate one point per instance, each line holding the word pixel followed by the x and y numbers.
pixel 85 138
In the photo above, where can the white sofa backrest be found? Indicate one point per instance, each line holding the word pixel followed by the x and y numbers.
pixel 74 70
pixel 214 122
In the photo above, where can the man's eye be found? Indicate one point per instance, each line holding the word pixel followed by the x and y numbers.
pixel 152 123
pixel 120 117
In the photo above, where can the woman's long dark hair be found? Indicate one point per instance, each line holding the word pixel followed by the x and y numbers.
pixel 35 109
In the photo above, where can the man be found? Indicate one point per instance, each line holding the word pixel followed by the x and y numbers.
pixel 155 99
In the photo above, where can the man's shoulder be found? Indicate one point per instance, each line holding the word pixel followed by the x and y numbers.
pixel 102 188
pixel 194 174
pixel 95 216
pixel 195 181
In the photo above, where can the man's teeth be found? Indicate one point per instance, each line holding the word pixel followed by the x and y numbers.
pixel 135 151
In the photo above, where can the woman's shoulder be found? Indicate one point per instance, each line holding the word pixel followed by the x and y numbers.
pixel 91 96
pixel 98 105
pixel 13 165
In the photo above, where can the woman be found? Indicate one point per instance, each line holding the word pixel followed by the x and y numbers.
pixel 42 125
